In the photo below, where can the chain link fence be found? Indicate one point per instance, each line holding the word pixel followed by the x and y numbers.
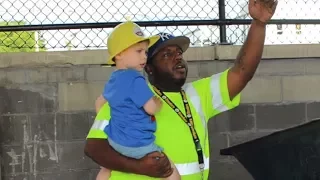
pixel 47 14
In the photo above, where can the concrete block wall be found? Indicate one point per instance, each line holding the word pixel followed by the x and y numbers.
pixel 47 100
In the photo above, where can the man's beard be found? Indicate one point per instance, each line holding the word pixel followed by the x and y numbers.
pixel 167 81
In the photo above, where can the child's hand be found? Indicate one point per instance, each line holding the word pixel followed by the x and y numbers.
pixel 153 105
pixel 158 102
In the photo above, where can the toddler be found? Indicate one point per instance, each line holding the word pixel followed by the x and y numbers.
pixel 132 103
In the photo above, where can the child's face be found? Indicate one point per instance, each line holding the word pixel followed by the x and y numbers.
pixel 135 56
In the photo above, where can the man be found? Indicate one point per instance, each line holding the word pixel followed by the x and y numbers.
pixel 182 122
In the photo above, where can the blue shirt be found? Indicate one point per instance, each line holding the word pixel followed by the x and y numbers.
pixel 126 92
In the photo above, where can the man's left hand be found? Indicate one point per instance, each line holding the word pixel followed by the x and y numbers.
pixel 262 10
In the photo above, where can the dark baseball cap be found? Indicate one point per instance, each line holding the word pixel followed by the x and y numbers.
pixel 168 39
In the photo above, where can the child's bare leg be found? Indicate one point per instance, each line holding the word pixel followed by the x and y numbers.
pixel 104 174
pixel 175 175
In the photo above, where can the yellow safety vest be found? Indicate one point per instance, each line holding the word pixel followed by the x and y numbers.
pixel 207 97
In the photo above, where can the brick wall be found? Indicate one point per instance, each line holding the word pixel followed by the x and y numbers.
pixel 46 108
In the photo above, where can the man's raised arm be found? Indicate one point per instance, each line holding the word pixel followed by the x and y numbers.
pixel 250 54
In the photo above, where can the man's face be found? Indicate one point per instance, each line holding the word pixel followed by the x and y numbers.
pixel 169 62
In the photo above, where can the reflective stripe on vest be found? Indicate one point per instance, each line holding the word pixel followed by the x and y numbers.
pixel 191 168
pixel 195 100
pixel 216 94
pixel 100 124
pixel 183 168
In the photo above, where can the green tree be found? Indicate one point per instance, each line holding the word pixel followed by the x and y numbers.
pixel 20 41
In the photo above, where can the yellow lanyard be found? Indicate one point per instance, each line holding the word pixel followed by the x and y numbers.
pixel 187 119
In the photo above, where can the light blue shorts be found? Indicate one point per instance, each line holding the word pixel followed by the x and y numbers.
pixel 135 152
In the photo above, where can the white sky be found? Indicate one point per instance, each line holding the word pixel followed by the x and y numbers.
pixel 80 11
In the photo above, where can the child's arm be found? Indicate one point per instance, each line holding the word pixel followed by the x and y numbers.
pixel 100 101
pixel 143 97
pixel 153 105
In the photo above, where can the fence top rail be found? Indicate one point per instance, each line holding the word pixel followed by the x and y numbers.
pixel 215 22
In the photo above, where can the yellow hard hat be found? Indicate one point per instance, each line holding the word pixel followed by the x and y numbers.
pixel 125 35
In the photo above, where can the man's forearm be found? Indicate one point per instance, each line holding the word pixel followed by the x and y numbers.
pixel 102 153
pixel 250 54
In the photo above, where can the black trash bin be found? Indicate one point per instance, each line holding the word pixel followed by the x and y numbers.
pixel 291 154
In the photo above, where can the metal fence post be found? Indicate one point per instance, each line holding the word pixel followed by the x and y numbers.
pixel 222 16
